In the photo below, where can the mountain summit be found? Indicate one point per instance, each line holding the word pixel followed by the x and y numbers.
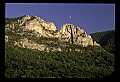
pixel 37 27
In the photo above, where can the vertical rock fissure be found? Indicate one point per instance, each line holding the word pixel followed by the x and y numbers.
pixel 71 34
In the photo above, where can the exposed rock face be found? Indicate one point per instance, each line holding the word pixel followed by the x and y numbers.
pixel 36 23
pixel 67 33
pixel 31 23
pixel 25 43
pixel 75 35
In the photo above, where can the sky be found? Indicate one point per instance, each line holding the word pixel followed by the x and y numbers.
pixel 90 17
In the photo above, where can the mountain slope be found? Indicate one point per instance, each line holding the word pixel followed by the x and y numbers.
pixel 39 51
pixel 92 62
pixel 106 39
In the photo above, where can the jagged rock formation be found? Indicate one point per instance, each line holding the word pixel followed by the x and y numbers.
pixel 33 23
pixel 75 35
pixel 39 28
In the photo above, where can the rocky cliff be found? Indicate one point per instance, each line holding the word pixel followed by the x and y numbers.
pixel 33 25
pixel 75 35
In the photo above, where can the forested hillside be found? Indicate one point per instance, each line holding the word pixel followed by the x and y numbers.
pixel 28 55
pixel 93 62
pixel 106 39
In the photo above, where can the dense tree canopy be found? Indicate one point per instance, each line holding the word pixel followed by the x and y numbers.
pixel 25 63
pixel 106 40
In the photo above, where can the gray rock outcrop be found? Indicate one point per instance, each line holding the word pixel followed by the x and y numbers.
pixel 75 35
pixel 67 33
